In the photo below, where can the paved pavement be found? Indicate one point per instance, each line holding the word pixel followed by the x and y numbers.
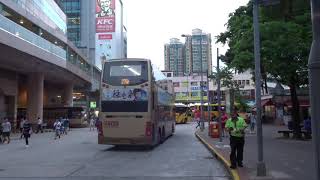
pixel 285 158
pixel 78 156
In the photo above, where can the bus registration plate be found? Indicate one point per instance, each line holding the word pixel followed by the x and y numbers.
pixel 111 124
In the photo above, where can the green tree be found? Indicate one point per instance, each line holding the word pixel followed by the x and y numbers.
pixel 286 36
pixel 226 78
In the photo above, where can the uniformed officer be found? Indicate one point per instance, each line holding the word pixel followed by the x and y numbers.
pixel 236 126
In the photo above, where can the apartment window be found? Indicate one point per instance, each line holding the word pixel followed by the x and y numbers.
pixel 169 75
pixel 194 83
pixel 194 94
pixel 247 82
pixel 243 82
pixel 176 84
pixel 204 83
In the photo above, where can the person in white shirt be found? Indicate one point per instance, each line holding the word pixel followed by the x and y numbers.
pixel 57 128
pixel 23 120
pixel 40 122
pixel 92 124
pixel 6 129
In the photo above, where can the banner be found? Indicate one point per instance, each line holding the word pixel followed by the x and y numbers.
pixel 125 94
pixel 103 47
pixel 105 16
pixel 105 30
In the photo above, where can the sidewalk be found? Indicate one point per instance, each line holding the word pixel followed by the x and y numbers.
pixel 285 158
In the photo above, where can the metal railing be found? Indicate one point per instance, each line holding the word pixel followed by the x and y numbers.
pixel 28 36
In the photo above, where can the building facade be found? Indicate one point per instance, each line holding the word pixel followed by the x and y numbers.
pixel 39 67
pixel 175 57
pixel 90 31
pixel 191 57
pixel 195 43
pixel 187 88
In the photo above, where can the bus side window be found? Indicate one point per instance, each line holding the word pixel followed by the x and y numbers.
pixel 153 99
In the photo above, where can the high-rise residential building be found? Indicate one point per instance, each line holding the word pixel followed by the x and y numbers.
pixel 174 57
pixel 198 41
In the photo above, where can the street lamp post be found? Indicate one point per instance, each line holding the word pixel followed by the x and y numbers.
pixel 314 74
pixel 261 167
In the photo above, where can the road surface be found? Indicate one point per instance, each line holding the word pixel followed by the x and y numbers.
pixel 77 156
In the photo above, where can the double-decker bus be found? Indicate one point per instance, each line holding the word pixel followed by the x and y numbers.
pixel 136 104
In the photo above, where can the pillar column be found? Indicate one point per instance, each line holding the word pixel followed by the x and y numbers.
pixel 68 95
pixel 35 97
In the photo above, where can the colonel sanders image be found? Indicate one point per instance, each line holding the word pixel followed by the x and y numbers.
pixel 106 9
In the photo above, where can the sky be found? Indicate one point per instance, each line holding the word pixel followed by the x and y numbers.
pixel 151 24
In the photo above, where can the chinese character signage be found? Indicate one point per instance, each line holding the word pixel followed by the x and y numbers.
pixel 125 94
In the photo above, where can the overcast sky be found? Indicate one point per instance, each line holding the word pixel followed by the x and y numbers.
pixel 151 23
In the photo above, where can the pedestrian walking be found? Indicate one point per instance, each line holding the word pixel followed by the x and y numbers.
pixel 236 127
pixel 1 133
pixel 253 120
pixel 66 125
pixel 57 129
pixel 224 119
pixel 40 122
pixel 92 123
pixel 197 116
pixel 6 130
pixel 62 129
pixel 23 120
pixel 27 131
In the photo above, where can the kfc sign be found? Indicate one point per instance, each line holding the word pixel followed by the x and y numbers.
pixel 105 24
pixel 105 16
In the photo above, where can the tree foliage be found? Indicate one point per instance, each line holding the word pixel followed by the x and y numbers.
pixel 286 37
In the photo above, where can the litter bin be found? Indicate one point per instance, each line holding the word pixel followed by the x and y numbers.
pixel 214 130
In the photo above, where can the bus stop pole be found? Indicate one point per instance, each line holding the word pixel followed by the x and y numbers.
pixel 314 86
pixel 201 88
pixel 208 99
pixel 261 167
pixel 219 96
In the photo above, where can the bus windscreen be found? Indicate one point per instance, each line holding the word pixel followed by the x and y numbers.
pixel 118 73
pixel 123 95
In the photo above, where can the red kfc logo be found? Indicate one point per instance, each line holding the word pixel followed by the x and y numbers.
pixel 104 21
pixel 105 24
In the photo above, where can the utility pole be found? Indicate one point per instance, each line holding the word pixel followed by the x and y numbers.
pixel 314 74
pixel 208 98
pixel 201 88
pixel 261 167
pixel 219 96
